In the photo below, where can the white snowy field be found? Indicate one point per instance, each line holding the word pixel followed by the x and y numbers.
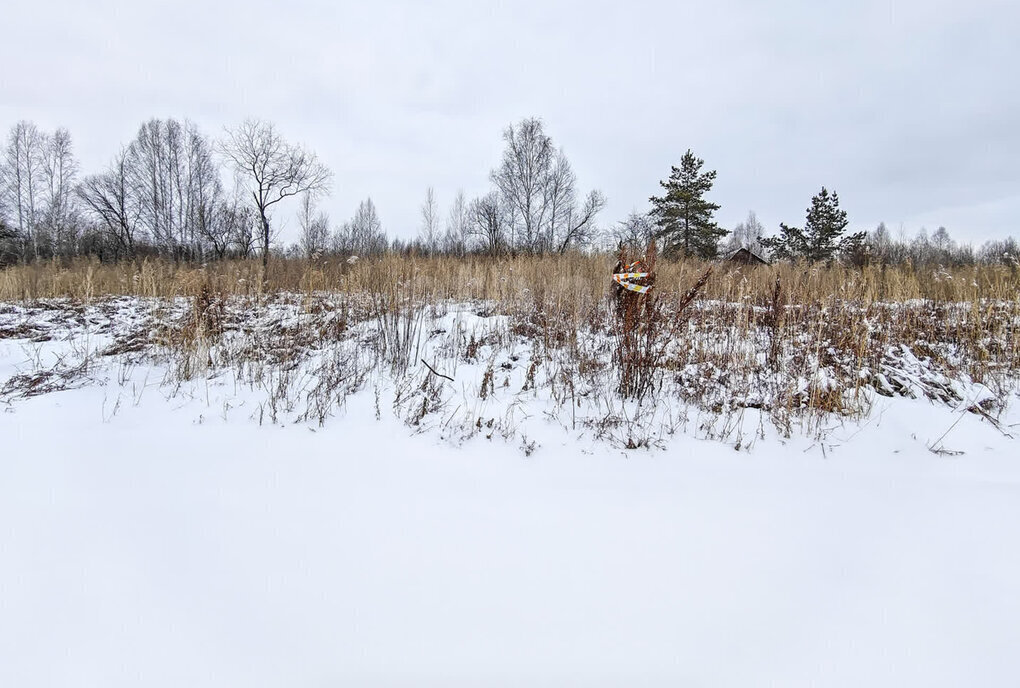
pixel 166 537
pixel 151 550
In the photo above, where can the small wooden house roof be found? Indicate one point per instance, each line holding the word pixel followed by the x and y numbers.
pixel 746 256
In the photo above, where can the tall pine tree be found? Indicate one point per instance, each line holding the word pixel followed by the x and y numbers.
pixel 822 238
pixel 683 215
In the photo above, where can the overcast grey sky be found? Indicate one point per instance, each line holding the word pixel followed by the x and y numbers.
pixel 909 110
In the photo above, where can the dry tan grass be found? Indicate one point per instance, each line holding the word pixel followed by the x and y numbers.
pixel 569 278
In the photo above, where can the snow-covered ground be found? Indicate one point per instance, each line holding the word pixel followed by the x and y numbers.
pixel 161 538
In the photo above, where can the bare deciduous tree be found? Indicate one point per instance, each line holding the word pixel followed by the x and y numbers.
pixel 488 222
pixel 635 232
pixel 272 170
pixel 229 228
pixel 367 230
pixel 429 233
pixel 109 199
pixel 59 219
pixel 458 226
pixel 23 173
pixel 175 182
pixel 363 234
pixel 242 227
pixel 522 178
pixel 747 234
pixel 314 228
pixel 538 186
pixel 149 161
pixel 204 194
pixel 578 225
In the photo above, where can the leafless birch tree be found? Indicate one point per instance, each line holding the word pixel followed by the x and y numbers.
pixel 429 232
pixel 23 176
pixel 176 184
pixel 314 227
pixel 537 184
pixel 458 226
pixel 59 218
pixel 365 235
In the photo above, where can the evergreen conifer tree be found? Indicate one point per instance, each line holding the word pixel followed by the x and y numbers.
pixel 683 215
pixel 822 236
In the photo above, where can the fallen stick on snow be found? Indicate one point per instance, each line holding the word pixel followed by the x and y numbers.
pixel 434 371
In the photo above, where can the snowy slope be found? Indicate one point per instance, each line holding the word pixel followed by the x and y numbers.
pixel 151 550
pixel 164 537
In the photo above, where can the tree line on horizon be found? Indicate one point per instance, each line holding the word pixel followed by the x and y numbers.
pixel 174 192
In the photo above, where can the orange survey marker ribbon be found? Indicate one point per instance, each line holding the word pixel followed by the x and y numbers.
pixel 628 273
